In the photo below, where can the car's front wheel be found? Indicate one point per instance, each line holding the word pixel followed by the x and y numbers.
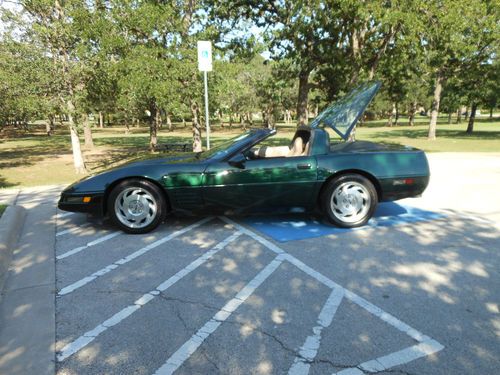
pixel 136 206
pixel 349 200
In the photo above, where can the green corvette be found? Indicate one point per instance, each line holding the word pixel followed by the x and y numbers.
pixel 343 180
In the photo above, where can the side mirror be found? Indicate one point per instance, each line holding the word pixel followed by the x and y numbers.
pixel 238 161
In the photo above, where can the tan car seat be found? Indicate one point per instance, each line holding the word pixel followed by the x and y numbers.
pixel 271 152
pixel 307 148
pixel 297 148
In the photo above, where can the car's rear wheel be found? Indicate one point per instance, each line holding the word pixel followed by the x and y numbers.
pixel 349 200
pixel 137 206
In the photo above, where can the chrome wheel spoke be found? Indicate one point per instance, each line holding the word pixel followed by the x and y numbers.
pixel 350 202
pixel 135 207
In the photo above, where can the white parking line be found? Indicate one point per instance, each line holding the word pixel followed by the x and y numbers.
pixel 78 284
pixel 254 235
pixel 309 349
pixel 401 357
pixel 189 347
pixel 72 230
pixel 60 216
pixel 91 335
pixel 425 345
pixel 90 244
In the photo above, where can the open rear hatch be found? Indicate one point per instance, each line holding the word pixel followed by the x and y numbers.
pixel 343 115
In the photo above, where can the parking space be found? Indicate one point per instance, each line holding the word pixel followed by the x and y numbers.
pixel 224 295
pixel 213 296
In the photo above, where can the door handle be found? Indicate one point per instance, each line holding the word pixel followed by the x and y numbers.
pixel 304 166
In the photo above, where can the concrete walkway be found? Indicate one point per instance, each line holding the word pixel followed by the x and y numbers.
pixel 27 311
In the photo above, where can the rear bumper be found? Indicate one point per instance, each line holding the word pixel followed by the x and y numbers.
pixel 75 203
pixel 392 190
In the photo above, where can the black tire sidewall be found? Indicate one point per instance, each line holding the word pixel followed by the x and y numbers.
pixel 329 190
pixel 150 188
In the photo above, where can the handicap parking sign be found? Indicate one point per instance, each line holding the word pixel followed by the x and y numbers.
pixel 204 56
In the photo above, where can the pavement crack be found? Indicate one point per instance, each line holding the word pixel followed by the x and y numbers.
pixel 118 291
pixel 27 287
pixel 292 351
pixel 188 302
pixel 181 318
pixel 209 360
pixel 400 372
pixel 333 364
pixel 272 336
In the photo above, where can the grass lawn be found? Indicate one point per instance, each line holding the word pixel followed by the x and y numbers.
pixel 2 209
pixel 31 159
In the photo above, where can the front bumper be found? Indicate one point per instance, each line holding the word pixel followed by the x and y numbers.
pixel 77 203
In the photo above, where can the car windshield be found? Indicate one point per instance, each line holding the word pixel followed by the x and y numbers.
pixel 225 148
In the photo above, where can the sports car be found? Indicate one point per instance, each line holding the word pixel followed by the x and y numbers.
pixel 343 180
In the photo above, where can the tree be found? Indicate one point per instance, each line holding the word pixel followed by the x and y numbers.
pixel 54 28
pixel 479 85
pixel 491 88
pixel 299 31
pixel 458 36
pixel 24 74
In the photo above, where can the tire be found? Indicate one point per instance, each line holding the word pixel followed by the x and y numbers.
pixel 137 206
pixel 349 201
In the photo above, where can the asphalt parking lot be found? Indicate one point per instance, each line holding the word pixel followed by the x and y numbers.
pixel 219 295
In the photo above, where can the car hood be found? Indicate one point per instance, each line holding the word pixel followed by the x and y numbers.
pixel 343 115
pixel 151 168
pixel 147 160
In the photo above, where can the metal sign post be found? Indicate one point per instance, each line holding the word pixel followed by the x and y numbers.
pixel 205 65
pixel 206 109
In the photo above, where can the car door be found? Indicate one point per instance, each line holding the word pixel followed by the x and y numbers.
pixel 262 184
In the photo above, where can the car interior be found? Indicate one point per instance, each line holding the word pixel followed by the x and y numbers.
pixel 299 146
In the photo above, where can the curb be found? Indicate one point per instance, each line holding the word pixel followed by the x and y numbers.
pixel 11 224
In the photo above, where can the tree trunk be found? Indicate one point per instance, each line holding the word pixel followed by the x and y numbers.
pixel 77 151
pixel 153 126
pixel 470 126
pixel 197 147
pixel 101 120
pixel 381 51
pixel 270 117
pixel 48 126
pixel 158 118
pixel 391 115
pixel 438 87
pixel 491 113
pixel 352 135
pixel 449 118
pixel 78 161
pixel 302 115
pixel 221 118
pixel 242 122
pixel 169 122
pixel 87 132
pixel 249 118
pixel 108 119
pixel 459 115
pixel 396 108
pixel 411 117
pixel 230 120
pixel 127 127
